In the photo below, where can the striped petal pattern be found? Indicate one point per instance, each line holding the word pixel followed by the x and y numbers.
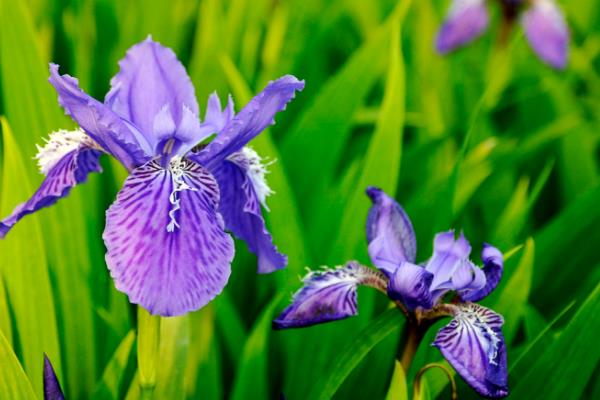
pixel 473 343
pixel 327 295
pixel 166 246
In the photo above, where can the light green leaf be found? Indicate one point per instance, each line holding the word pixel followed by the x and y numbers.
pixel 398 389
pixel 14 384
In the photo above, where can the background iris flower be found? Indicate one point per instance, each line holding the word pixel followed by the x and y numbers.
pixel 472 342
pixel 544 24
pixel 167 248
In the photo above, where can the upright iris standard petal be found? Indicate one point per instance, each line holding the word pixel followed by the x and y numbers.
pixel 257 115
pixel 547 32
pixel 390 233
pixel 466 21
pixel 410 284
pixel 113 134
pixel 52 389
pixel 152 80
pixel 166 246
pixel 448 255
pixel 327 295
pixel 241 196
pixel 493 265
pixel 67 163
pixel 474 345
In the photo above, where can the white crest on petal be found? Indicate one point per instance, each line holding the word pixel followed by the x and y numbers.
pixel 256 170
pixel 177 168
pixel 60 143
pixel 479 320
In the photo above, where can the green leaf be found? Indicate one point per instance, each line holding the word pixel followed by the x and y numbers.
pixel 114 374
pixel 252 376
pixel 25 272
pixel 327 121
pixel 386 324
pixel 570 361
pixel 398 389
pixel 174 344
pixel 13 381
pixel 381 166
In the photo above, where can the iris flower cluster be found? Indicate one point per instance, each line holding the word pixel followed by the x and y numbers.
pixel 166 239
pixel 448 284
pixel 544 24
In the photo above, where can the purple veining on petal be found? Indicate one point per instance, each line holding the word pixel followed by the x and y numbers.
pixel 116 136
pixel 493 265
pixel 474 345
pixel 166 246
pixel 410 284
pixel 326 296
pixel 240 207
pixel 150 80
pixel 390 233
pixel 466 21
pixel 52 389
pixel 255 117
pixel 547 32
pixel 69 171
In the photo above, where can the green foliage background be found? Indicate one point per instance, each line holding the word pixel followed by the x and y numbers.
pixel 487 140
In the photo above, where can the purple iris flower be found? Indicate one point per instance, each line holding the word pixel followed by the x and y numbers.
pixel 472 342
pixel 544 24
pixel 167 248
pixel 52 389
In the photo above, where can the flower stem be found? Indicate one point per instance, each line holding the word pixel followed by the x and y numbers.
pixel 411 339
pixel 147 351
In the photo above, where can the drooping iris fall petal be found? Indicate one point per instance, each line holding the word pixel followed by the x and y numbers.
pixel 242 184
pixel 67 159
pixel 167 249
pixel 474 345
pixel 326 296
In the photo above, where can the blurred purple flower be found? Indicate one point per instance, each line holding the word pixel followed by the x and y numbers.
pixel 472 342
pixel 165 233
pixel 544 24
pixel 52 390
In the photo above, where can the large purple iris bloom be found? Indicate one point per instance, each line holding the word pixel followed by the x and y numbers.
pixel 165 233
pixel 544 24
pixel 472 342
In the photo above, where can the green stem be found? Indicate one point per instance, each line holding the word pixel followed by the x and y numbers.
pixel 411 339
pixel 417 395
pixel 147 351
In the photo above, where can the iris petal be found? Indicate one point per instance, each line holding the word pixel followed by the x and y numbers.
pixel 493 265
pixel 68 171
pixel 448 255
pixel 466 21
pixel 547 32
pixel 390 233
pixel 255 117
pixel 116 136
pixel 410 284
pixel 149 80
pixel 327 295
pixel 166 246
pixel 52 389
pixel 474 345
pixel 240 207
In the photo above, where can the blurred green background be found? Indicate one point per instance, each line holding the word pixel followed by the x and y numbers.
pixel 488 140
